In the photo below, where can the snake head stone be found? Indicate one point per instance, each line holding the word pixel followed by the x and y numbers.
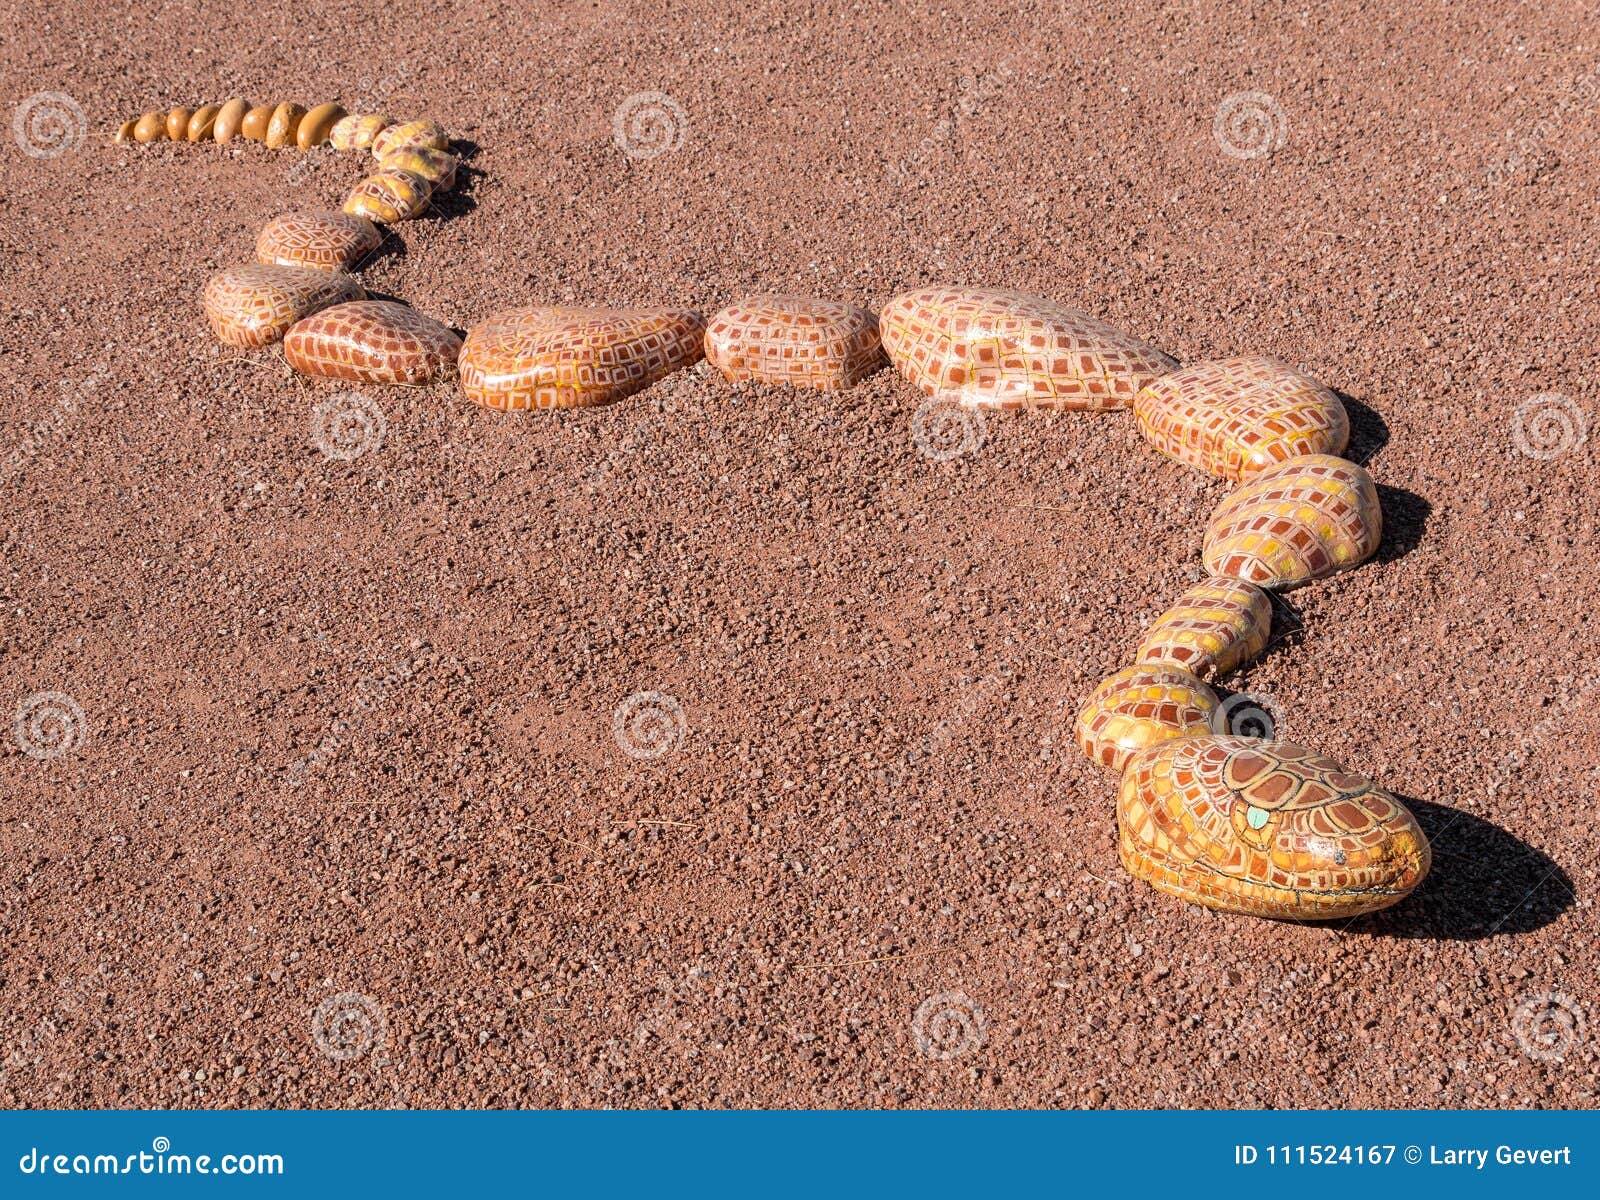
pixel 1269 829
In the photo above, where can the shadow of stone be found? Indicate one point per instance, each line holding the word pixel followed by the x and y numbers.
pixel 392 247
pixel 1484 883
pixel 1369 433
pixel 1405 518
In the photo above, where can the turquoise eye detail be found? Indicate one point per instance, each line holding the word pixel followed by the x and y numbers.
pixel 1257 817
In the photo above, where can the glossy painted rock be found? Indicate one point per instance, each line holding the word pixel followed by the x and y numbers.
pixel 317 125
pixel 575 357
pixel 824 344
pixel 1235 417
pixel 438 167
pixel 389 197
pixel 1295 522
pixel 1004 349
pixel 1139 706
pixel 328 241
pixel 203 123
pixel 229 118
pixel 255 305
pixel 284 125
pixel 371 341
pixel 409 133
pixel 356 131
pixel 1213 628
pixel 1265 828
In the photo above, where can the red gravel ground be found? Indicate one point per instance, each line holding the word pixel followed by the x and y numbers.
pixel 347 823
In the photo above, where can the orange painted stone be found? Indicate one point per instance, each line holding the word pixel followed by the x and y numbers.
pixel 409 133
pixel 1235 417
pixel 798 340
pixel 371 341
pixel 1268 829
pixel 1002 349
pixel 254 305
pixel 1139 706
pixel 356 131
pixel 1213 628
pixel 1298 521
pixel 560 357
pixel 328 241
pixel 389 197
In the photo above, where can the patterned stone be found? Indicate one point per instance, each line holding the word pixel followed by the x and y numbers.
pixel 438 167
pixel 409 133
pixel 371 341
pixel 1265 828
pixel 575 357
pixel 389 197
pixel 255 305
pixel 1296 522
pixel 328 241
pixel 1214 627
pixel 824 344
pixel 1004 349
pixel 357 130
pixel 1139 706
pixel 1235 417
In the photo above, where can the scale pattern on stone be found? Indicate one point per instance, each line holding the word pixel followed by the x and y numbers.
pixel 558 357
pixel 371 341
pixel 1214 627
pixel 328 241
pixel 994 348
pixel 1269 829
pixel 255 304
pixel 798 340
pixel 389 197
pixel 1298 521
pixel 1139 706
pixel 1235 417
